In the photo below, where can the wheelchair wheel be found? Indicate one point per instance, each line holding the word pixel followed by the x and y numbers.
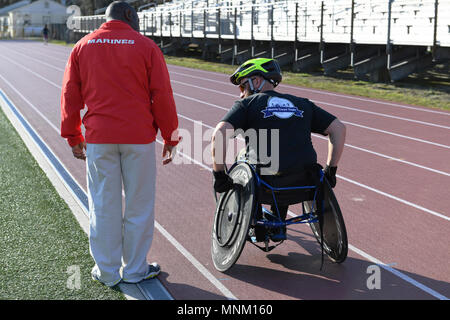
pixel 335 243
pixel 232 217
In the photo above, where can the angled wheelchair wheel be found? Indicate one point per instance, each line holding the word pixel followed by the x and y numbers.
pixel 335 243
pixel 234 210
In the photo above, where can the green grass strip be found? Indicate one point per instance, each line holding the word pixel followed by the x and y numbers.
pixel 42 245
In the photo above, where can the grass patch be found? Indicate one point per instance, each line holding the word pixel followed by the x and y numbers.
pixel 40 237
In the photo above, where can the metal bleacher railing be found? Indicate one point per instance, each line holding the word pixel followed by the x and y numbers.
pixel 396 22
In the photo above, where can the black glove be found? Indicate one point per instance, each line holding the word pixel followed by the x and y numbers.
pixel 222 181
pixel 330 174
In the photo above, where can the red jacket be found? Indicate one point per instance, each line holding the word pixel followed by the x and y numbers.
pixel 122 78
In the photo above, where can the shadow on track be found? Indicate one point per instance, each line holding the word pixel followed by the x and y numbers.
pixel 300 276
pixel 181 291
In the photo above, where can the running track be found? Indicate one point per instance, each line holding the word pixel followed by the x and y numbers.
pixel 393 188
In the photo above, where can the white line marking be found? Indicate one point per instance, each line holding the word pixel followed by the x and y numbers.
pixel 30 104
pixel 83 224
pixel 330 104
pixel 324 138
pixel 398 273
pixel 194 262
pixel 203 102
pixel 370 100
pixel 437 214
pixel 64 190
pixel 229 295
pixel 349 123
pixel 361 253
pixel 42 53
pixel 383 115
pixel 359 184
pixel 233 95
pixel 216 106
pixel 37 60
pixel 356 183
pixel 390 158
pixel 32 72
pixel 310 90
pixel 397 135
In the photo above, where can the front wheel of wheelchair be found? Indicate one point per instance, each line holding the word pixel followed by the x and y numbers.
pixel 234 210
pixel 335 243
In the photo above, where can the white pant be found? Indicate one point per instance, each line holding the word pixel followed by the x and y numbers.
pixel 117 238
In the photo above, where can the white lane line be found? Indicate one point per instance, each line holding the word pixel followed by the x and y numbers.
pixel 437 214
pixel 32 72
pixel 347 145
pixel 383 115
pixel 346 122
pixel 173 241
pixel 397 135
pixel 388 267
pixel 360 252
pixel 434 213
pixel 226 80
pixel 233 95
pixel 201 101
pixel 37 60
pixel 330 104
pixel 391 158
pixel 229 295
pixel 349 180
pixel 36 145
pixel 29 103
pixel 46 55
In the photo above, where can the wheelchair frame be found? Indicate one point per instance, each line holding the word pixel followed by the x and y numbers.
pixel 308 216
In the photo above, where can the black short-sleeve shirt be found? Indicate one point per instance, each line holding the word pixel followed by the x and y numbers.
pixel 294 118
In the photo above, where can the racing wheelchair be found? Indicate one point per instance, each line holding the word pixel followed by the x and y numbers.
pixel 240 216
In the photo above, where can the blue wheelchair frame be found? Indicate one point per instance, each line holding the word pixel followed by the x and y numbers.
pixel 323 211
pixel 306 217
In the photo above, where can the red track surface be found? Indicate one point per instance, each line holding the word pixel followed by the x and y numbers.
pixel 393 190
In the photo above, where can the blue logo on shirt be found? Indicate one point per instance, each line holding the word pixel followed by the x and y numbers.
pixel 281 108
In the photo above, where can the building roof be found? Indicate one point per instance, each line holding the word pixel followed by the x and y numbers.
pixel 37 3
pixel 4 11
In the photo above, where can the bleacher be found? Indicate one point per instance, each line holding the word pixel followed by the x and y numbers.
pixel 328 24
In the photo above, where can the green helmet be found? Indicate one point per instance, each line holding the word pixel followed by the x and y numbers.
pixel 267 68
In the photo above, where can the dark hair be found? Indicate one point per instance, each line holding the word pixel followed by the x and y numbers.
pixel 121 10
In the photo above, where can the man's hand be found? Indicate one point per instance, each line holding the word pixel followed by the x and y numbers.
pixel 168 151
pixel 330 174
pixel 222 181
pixel 78 151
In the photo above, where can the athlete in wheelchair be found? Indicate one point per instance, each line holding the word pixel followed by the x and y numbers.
pixel 288 174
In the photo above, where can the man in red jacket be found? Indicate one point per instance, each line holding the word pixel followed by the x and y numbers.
pixel 122 79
